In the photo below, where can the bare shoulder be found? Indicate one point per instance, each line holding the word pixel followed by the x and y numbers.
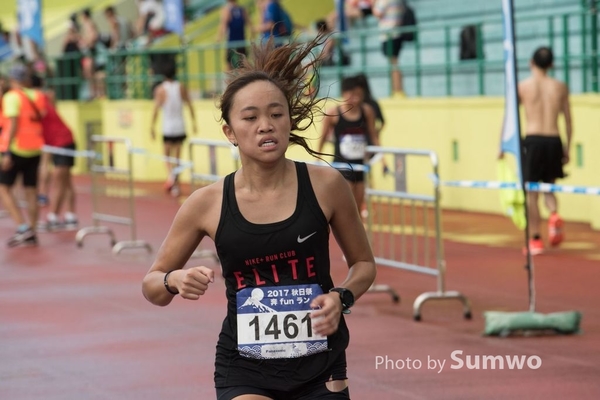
pixel 368 109
pixel 225 11
pixel 332 114
pixel 203 208
pixel 332 111
pixel 525 83
pixel 329 186
pixel 159 90
pixel 562 87
pixel 206 196
pixel 323 174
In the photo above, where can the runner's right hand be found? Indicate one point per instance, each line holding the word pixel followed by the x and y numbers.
pixel 193 282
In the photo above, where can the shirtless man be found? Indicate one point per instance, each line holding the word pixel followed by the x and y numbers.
pixel 544 99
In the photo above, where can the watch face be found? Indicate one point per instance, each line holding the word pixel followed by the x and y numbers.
pixel 347 298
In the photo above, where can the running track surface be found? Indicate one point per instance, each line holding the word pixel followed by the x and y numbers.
pixel 74 324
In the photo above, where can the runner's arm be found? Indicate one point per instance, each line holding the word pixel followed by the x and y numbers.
pixel 325 131
pixel 371 131
pixel 338 204
pixel 180 243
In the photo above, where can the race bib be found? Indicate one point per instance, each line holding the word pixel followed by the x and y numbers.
pixel 274 322
pixel 352 147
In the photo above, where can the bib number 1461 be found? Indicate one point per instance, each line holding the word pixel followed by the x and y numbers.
pixel 288 325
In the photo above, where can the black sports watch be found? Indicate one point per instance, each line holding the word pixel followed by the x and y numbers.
pixel 347 298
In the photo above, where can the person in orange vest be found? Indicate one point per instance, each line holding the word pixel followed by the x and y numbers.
pixel 21 146
pixel 4 87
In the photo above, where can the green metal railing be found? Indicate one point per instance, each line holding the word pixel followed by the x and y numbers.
pixel 201 67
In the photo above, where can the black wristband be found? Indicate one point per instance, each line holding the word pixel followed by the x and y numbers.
pixel 167 284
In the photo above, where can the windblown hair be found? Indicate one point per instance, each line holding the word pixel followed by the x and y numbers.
pixel 293 68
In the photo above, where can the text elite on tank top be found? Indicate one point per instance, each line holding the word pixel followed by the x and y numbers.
pixel 272 272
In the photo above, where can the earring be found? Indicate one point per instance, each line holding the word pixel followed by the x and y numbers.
pixel 234 144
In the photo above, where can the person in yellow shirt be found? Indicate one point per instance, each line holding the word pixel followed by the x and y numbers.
pixel 21 145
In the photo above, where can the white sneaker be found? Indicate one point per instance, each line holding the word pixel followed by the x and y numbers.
pixel 175 191
pixel 71 224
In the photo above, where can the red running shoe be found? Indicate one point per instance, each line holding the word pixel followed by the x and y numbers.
pixel 555 230
pixel 536 247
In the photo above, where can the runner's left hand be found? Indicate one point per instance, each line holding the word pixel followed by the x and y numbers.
pixel 328 310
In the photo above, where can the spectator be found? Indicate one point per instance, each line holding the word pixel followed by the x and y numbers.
pixel 364 6
pixel 5 49
pixel 23 48
pixel 151 19
pixel 234 20
pixel 353 10
pixel 119 29
pixel 276 21
pixel 121 34
pixel 20 146
pixel 356 10
pixel 87 44
pixel 327 49
pixel 389 13
pixel 69 66
pixel 332 52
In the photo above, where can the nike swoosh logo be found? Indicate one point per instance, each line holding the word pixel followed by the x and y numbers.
pixel 302 239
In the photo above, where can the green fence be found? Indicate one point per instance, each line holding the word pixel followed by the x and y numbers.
pixel 432 58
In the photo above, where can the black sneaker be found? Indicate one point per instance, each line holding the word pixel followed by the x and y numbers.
pixel 27 238
pixel 32 241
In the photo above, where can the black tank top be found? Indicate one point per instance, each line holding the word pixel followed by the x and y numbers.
pixel 350 139
pixel 273 265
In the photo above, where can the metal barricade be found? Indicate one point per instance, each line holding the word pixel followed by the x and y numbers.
pixel 205 156
pixel 211 151
pixel 405 228
pixel 113 197
pixel 92 128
